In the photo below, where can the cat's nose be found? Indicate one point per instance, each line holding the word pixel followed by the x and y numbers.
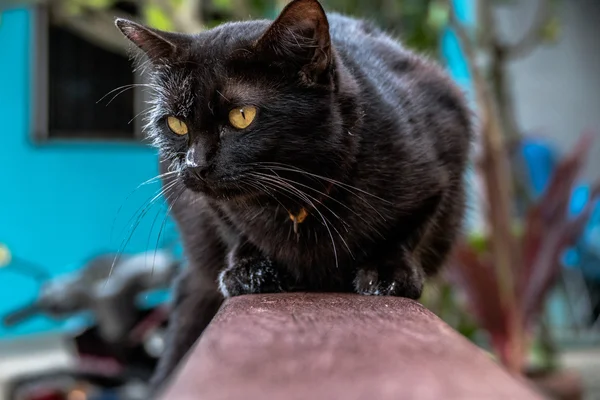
pixel 200 172
pixel 197 164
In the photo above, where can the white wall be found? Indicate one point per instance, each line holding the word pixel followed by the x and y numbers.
pixel 557 87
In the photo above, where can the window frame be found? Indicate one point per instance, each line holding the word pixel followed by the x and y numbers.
pixel 39 90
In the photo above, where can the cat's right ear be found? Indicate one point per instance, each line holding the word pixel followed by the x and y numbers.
pixel 300 37
pixel 155 44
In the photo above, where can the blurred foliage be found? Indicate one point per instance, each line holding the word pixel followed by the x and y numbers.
pixel 511 314
pixel 417 22
pixel 154 16
pixel 551 31
pixel 440 297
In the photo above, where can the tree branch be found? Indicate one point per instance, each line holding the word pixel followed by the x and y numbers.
pixel 193 10
pixel 241 9
pixel 532 37
pixel 486 26
pixel 187 17
pixel 497 73
pixel 97 27
pixel 497 181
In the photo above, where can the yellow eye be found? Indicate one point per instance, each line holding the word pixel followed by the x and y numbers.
pixel 241 118
pixel 177 126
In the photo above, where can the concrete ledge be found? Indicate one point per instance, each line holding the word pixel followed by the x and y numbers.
pixel 337 346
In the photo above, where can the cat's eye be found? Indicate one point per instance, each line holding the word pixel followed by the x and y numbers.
pixel 177 126
pixel 241 118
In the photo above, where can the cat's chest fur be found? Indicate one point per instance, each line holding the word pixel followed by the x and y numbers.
pixel 326 236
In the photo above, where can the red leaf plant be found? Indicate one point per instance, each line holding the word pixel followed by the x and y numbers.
pixel 508 312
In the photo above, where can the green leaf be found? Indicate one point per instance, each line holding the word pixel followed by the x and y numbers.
pixel 73 8
pixel 438 15
pixel 223 4
pixel 77 6
pixel 478 241
pixel 551 30
pixel 98 4
pixel 156 18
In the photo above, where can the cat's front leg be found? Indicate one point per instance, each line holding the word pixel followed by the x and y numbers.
pixel 250 272
pixel 196 301
pixel 396 274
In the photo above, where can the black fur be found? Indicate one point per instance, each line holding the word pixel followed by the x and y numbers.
pixel 369 138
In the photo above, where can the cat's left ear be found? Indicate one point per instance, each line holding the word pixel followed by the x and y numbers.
pixel 300 36
pixel 156 44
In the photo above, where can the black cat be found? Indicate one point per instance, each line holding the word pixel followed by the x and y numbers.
pixel 309 153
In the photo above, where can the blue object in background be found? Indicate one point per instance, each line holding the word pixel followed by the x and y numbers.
pixel 452 53
pixel 541 160
pixel 59 202
pixel 457 65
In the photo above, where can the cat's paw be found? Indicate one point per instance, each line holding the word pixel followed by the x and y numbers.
pixel 404 283
pixel 366 282
pixel 250 276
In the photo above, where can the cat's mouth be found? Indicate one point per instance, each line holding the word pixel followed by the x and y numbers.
pixel 228 187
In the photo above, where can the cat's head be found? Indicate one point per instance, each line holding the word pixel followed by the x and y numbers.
pixel 248 98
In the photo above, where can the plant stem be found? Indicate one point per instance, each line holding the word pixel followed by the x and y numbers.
pixel 497 180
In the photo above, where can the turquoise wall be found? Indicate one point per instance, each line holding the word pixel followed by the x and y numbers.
pixel 450 45
pixel 458 67
pixel 59 202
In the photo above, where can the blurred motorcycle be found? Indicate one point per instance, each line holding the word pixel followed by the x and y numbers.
pixel 116 352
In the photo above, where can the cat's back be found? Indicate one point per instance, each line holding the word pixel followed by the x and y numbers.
pixel 403 90
pixel 361 39
pixel 370 53
pixel 374 56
